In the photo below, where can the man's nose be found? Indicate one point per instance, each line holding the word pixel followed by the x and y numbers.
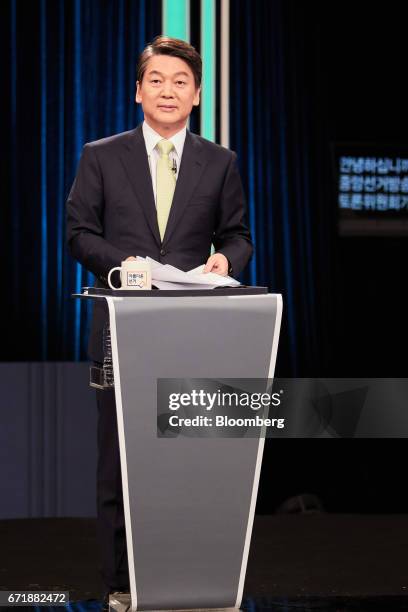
pixel 167 91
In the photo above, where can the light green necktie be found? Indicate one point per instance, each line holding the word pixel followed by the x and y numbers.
pixel 165 184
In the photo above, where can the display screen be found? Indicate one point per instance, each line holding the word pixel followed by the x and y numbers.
pixel 372 189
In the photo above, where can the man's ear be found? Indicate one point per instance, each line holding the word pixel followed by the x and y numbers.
pixel 196 100
pixel 138 97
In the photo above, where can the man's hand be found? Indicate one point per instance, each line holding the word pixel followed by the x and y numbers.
pixel 131 258
pixel 217 263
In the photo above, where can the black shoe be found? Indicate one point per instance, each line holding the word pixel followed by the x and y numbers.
pixel 105 601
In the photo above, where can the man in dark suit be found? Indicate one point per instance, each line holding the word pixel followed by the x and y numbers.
pixel 157 191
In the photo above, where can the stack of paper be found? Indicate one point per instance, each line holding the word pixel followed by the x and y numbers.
pixel 165 276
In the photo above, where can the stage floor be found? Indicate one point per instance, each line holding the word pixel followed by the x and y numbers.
pixel 297 562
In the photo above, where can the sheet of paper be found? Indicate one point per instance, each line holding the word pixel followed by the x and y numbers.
pixel 211 277
pixel 180 286
pixel 193 278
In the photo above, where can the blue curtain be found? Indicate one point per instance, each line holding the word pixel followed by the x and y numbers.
pixel 69 77
pixel 69 69
pixel 277 129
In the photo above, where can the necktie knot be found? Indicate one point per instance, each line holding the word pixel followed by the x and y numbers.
pixel 165 146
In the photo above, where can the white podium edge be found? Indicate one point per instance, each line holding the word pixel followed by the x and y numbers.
pixel 122 448
pixel 257 474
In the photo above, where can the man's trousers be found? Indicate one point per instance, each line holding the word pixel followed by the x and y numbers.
pixel 111 522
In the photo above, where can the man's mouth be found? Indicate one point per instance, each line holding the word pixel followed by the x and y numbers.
pixel 167 107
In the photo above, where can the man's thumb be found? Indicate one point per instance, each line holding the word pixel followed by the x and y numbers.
pixel 208 266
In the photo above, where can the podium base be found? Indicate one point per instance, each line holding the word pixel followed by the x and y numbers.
pixel 121 603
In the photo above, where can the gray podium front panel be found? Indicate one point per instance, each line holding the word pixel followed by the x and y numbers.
pixel 189 502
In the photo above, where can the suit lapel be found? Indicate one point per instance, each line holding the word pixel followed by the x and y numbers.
pixel 134 158
pixel 191 169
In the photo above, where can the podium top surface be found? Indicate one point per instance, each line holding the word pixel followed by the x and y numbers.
pixel 91 292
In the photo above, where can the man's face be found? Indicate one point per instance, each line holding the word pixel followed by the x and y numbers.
pixel 167 93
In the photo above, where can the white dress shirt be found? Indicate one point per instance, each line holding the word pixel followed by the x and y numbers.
pixel 151 139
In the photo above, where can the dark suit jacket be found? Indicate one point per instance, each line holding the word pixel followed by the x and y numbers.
pixel 111 212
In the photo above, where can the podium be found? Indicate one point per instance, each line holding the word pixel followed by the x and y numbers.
pixel 189 501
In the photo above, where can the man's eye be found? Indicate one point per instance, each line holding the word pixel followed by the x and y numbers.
pixel 180 82
pixel 155 81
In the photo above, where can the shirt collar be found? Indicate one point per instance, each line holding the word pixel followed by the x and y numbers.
pixel 152 138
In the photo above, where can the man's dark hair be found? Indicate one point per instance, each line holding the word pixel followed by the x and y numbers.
pixel 164 45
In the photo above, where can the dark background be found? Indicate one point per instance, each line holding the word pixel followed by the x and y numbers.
pixel 361 93
pixel 303 77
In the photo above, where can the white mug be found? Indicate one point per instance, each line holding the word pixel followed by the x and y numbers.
pixel 135 274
